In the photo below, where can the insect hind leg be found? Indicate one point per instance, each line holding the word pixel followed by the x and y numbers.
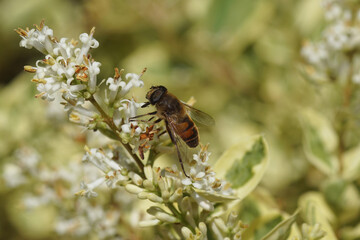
pixel 172 137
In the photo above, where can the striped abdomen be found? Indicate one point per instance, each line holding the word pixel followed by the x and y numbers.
pixel 188 132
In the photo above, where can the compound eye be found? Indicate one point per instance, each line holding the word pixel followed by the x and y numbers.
pixel 155 97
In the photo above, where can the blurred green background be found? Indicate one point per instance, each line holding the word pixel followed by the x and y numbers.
pixel 239 59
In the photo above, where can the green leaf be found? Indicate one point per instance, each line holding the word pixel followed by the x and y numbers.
pixel 282 230
pixel 320 142
pixel 229 14
pixel 244 164
pixel 314 209
pixel 351 160
pixel 350 233
pixel 262 225
pixel 333 191
pixel 344 198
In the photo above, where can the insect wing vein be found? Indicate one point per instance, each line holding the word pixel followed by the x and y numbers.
pixel 199 116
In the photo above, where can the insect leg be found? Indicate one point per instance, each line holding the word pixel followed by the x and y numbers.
pixel 143 115
pixel 162 133
pixel 145 105
pixel 172 137
pixel 157 120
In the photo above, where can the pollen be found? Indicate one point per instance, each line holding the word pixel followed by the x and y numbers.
pixel 41 25
pixel 35 80
pixel 82 77
pixel 80 193
pixel 74 42
pixel 39 95
pixel 118 73
pixel 87 149
pixel 86 59
pixel 49 61
pixel 21 32
pixel 74 117
pixel 29 69
pixel 92 31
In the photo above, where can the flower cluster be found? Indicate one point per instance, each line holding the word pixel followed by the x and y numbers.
pixel 333 58
pixel 68 71
pixel 56 187
pixel 15 174
pixel 90 217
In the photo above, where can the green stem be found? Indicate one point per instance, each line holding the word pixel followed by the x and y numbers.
pixel 109 121
pixel 179 216
pixel 347 95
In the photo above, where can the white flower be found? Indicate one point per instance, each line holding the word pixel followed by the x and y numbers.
pixel 88 189
pixel 78 226
pixel 113 89
pixel 39 38
pixel 315 53
pixel 87 42
pixel 203 177
pixel 337 35
pixel 356 78
pixel 102 160
pixel 93 70
pixel 66 68
pixel 133 81
pixel 13 175
pixel 79 109
pixel 64 48
pixel 115 177
pixel 203 202
pixel 47 195
pixel 333 11
pixel 28 159
pixel 117 88
pixel 126 111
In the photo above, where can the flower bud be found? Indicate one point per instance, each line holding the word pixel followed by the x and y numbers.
pixel 165 195
pixel 131 188
pixel 148 173
pixel 187 233
pixel 142 195
pixel 216 231
pixel 149 223
pixel 185 205
pixel 165 217
pixel 190 219
pixel 177 194
pixel 237 236
pixel 232 219
pixel 149 185
pixel 162 185
pixel 154 198
pixel 203 228
pixel 136 178
pixel 221 225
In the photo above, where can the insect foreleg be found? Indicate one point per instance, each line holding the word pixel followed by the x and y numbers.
pixel 143 115
pixel 145 105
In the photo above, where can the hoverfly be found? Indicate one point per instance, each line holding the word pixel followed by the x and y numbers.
pixel 178 117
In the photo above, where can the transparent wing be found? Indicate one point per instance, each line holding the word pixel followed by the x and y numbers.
pixel 199 116
pixel 181 147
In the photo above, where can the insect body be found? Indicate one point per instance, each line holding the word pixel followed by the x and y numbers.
pixel 178 117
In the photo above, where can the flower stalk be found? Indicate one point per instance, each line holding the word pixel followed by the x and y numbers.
pixel 109 121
